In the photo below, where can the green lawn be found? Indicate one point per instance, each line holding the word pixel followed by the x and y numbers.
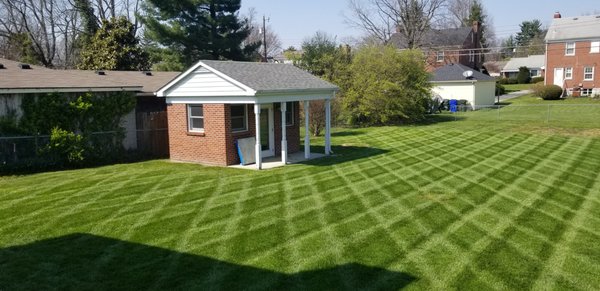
pixel 517 87
pixel 447 205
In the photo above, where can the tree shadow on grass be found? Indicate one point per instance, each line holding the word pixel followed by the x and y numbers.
pixel 88 262
pixel 343 153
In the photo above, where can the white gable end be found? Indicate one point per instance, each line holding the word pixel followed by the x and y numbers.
pixel 205 83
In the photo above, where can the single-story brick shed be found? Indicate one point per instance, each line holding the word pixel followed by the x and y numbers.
pixel 215 103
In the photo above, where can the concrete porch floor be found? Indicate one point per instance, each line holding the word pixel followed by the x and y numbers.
pixel 275 162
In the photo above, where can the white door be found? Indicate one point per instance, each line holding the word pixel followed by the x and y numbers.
pixel 559 77
pixel 267 130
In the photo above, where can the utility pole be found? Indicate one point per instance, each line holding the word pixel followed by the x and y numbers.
pixel 264 30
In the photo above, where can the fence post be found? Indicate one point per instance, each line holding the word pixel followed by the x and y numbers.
pixel 548 116
pixel 15 152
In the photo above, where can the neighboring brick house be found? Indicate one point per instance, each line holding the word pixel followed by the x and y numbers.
pixel 216 103
pixel 448 46
pixel 573 54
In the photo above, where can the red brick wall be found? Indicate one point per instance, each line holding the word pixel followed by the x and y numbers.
pixel 217 145
pixel 556 58
pixel 208 148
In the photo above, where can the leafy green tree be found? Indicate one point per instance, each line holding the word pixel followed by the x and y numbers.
pixel 114 47
pixel 323 57
pixel 529 30
pixel 198 29
pixel 387 87
pixel 524 75
pixel 317 55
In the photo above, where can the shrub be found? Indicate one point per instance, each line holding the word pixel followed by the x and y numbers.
pixel 387 87
pixel 65 148
pixel 524 76
pixel 547 92
pixel 500 90
pixel 537 80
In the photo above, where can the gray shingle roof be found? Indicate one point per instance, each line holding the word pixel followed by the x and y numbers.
pixel 571 28
pixel 531 62
pixel 265 77
pixel 454 72
pixel 436 38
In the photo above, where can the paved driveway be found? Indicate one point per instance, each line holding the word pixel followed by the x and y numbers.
pixel 514 95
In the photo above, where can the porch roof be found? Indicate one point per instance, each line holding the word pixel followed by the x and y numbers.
pixel 228 81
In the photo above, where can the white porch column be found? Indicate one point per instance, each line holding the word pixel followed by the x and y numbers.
pixel 327 127
pixel 306 129
pixel 284 145
pixel 258 147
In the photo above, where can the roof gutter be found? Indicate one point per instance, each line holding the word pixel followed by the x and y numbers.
pixel 297 91
pixel 69 90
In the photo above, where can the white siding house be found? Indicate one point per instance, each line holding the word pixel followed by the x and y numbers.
pixel 451 82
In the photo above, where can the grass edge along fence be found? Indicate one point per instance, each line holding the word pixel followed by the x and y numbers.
pixel 551 115
pixel 26 153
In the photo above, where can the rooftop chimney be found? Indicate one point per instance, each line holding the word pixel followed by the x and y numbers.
pixel 557 15
pixel 476 25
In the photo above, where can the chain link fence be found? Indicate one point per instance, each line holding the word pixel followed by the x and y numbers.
pixel 22 152
pixel 551 115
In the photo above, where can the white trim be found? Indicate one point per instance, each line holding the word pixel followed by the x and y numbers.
pixel 271 117
pixel 258 145
pixel 69 90
pixel 307 129
pixel 571 72
pixel 440 54
pixel 595 49
pixel 593 73
pixel 246 99
pixel 190 127
pixel 567 48
pixel 284 144
pixel 163 90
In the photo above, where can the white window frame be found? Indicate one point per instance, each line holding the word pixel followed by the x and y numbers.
pixel 595 47
pixel 567 48
pixel 440 57
pixel 472 56
pixel 591 92
pixel 191 117
pixel 568 73
pixel 245 118
pixel 531 74
pixel 289 120
pixel 585 73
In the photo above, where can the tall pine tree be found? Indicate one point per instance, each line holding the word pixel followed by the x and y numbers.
pixel 477 14
pixel 198 29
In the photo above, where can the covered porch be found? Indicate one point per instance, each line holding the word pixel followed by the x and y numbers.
pixel 277 162
pixel 264 155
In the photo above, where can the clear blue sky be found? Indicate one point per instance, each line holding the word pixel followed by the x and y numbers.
pixel 296 20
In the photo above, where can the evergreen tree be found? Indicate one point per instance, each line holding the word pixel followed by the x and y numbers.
pixel 198 29
pixel 114 47
pixel 529 30
pixel 477 14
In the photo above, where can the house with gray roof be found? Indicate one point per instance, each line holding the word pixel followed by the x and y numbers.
pixel 535 64
pixel 459 82
pixel 447 46
pixel 19 81
pixel 227 113
pixel 573 54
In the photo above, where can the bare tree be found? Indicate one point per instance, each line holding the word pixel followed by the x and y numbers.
pixel 256 34
pixel 458 12
pixel 411 18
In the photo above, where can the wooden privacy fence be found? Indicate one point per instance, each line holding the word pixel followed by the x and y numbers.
pixel 153 134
